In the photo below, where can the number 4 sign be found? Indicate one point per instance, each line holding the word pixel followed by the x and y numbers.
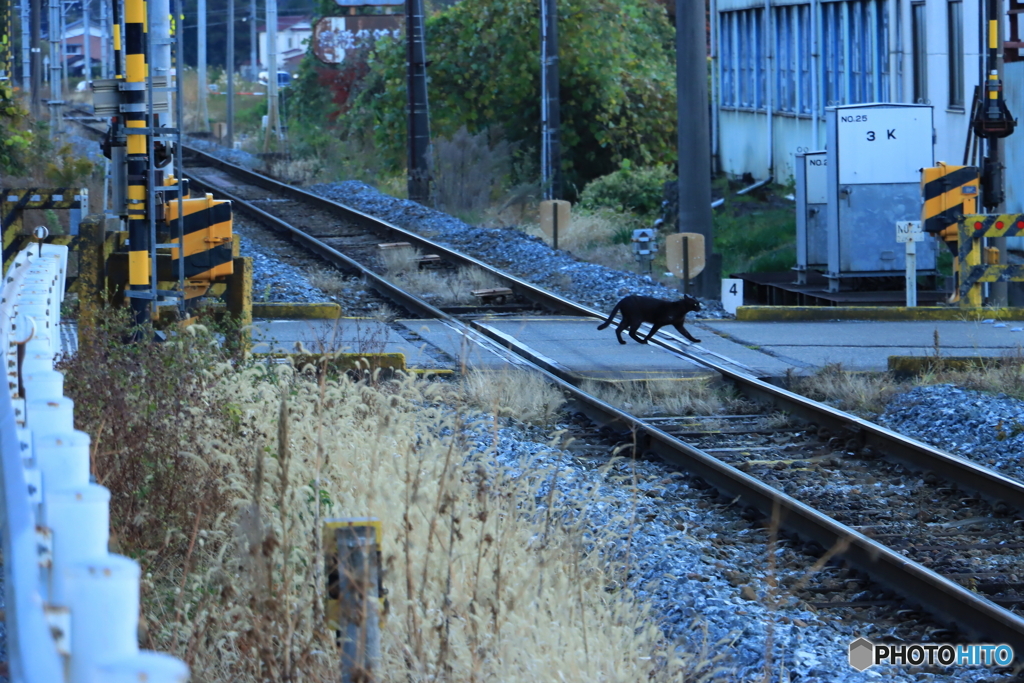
pixel 732 294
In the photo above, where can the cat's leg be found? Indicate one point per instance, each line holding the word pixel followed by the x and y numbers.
pixel 633 333
pixel 619 329
pixel 654 328
pixel 682 331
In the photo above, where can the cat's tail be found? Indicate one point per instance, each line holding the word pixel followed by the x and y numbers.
pixel 611 315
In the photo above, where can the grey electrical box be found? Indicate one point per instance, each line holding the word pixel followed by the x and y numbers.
pixel 875 155
pixel 811 213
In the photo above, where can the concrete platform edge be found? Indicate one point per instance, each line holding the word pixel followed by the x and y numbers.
pixel 296 311
pixel 893 313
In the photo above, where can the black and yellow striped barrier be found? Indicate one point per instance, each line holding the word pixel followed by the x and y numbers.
pixel 949 192
pixel 207 241
pixel 972 228
pixel 15 202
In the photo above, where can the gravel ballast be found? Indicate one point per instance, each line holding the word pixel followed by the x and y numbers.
pixel 680 550
pixel 522 255
pixel 682 555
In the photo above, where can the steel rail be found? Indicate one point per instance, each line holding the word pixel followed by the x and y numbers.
pixel 396 294
pixel 947 601
pixel 971 477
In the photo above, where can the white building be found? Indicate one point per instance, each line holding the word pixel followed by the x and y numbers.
pixel 292 35
pixel 778 63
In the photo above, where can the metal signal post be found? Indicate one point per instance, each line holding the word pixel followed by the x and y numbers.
pixel 418 116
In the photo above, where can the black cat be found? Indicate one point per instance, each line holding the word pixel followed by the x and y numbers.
pixel 637 310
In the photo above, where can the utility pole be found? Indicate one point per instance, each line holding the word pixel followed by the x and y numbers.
pixel 55 90
pixel 7 42
pixel 26 46
pixel 551 147
pixel 418 182
pixel 204 113
pixel 37 59
pixel 62 8
pixel 230 68
pixel 273 120
pixel 694 145
pixel 104 41
pixel 87 42
pixel 254 68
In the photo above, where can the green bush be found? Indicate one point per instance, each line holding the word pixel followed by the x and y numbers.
pixel 638 190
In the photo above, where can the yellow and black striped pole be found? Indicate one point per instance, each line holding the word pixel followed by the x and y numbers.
pixel 116 15
pixel 136 72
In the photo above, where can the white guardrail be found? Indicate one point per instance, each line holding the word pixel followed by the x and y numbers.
pixel 72 608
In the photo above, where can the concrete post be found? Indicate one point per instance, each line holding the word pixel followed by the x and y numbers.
pixel 358 579
pixel 694 148
pixel 104 41
pixel 54 28
pixel 229 66
pixel 87 41
pixel 273 120
pixel 254 66
pixel 551 147
pixel 26 46
pixel 37 59
pixel 203 113
pixel 418 126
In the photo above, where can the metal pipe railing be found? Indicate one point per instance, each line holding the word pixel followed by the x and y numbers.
pixel 72 607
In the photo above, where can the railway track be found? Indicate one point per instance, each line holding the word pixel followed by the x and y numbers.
pixel 814 476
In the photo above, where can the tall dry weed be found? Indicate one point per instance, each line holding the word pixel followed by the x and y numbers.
pixel 864 394
pixel 655 397
pixel 492 573
pixel 512 392
pixel 440 287
pixel 468 171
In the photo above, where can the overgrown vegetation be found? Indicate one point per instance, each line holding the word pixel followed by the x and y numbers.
pixel 439 287
pixel 669 397
pixel 754 232
pixel 222 472
pixel 637 190
pixel 616 74
pixel 867 393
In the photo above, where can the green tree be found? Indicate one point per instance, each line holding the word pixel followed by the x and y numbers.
pixel 616 72
pixel 15 137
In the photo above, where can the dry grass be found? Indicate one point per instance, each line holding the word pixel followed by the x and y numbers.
pixel 468 170
pixel 860 393
pixel 385 314
pixel 587 229
pixel 440 287
pixel 866 394
pixel 512 392
pixel 399 260
pixel 650 399
pixel 1005 376
pixel 487 578
pixel 297 171
pixel 330 282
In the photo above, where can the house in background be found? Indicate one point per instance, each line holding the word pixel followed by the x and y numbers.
pixel 777 64
pixel 75 37
pixel 292 35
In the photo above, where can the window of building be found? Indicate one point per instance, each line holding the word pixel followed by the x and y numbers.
pixel 955 30
pixel 854 56
pixel 855 36
pixel 804 59
pixel 742 59
pixel 919 52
